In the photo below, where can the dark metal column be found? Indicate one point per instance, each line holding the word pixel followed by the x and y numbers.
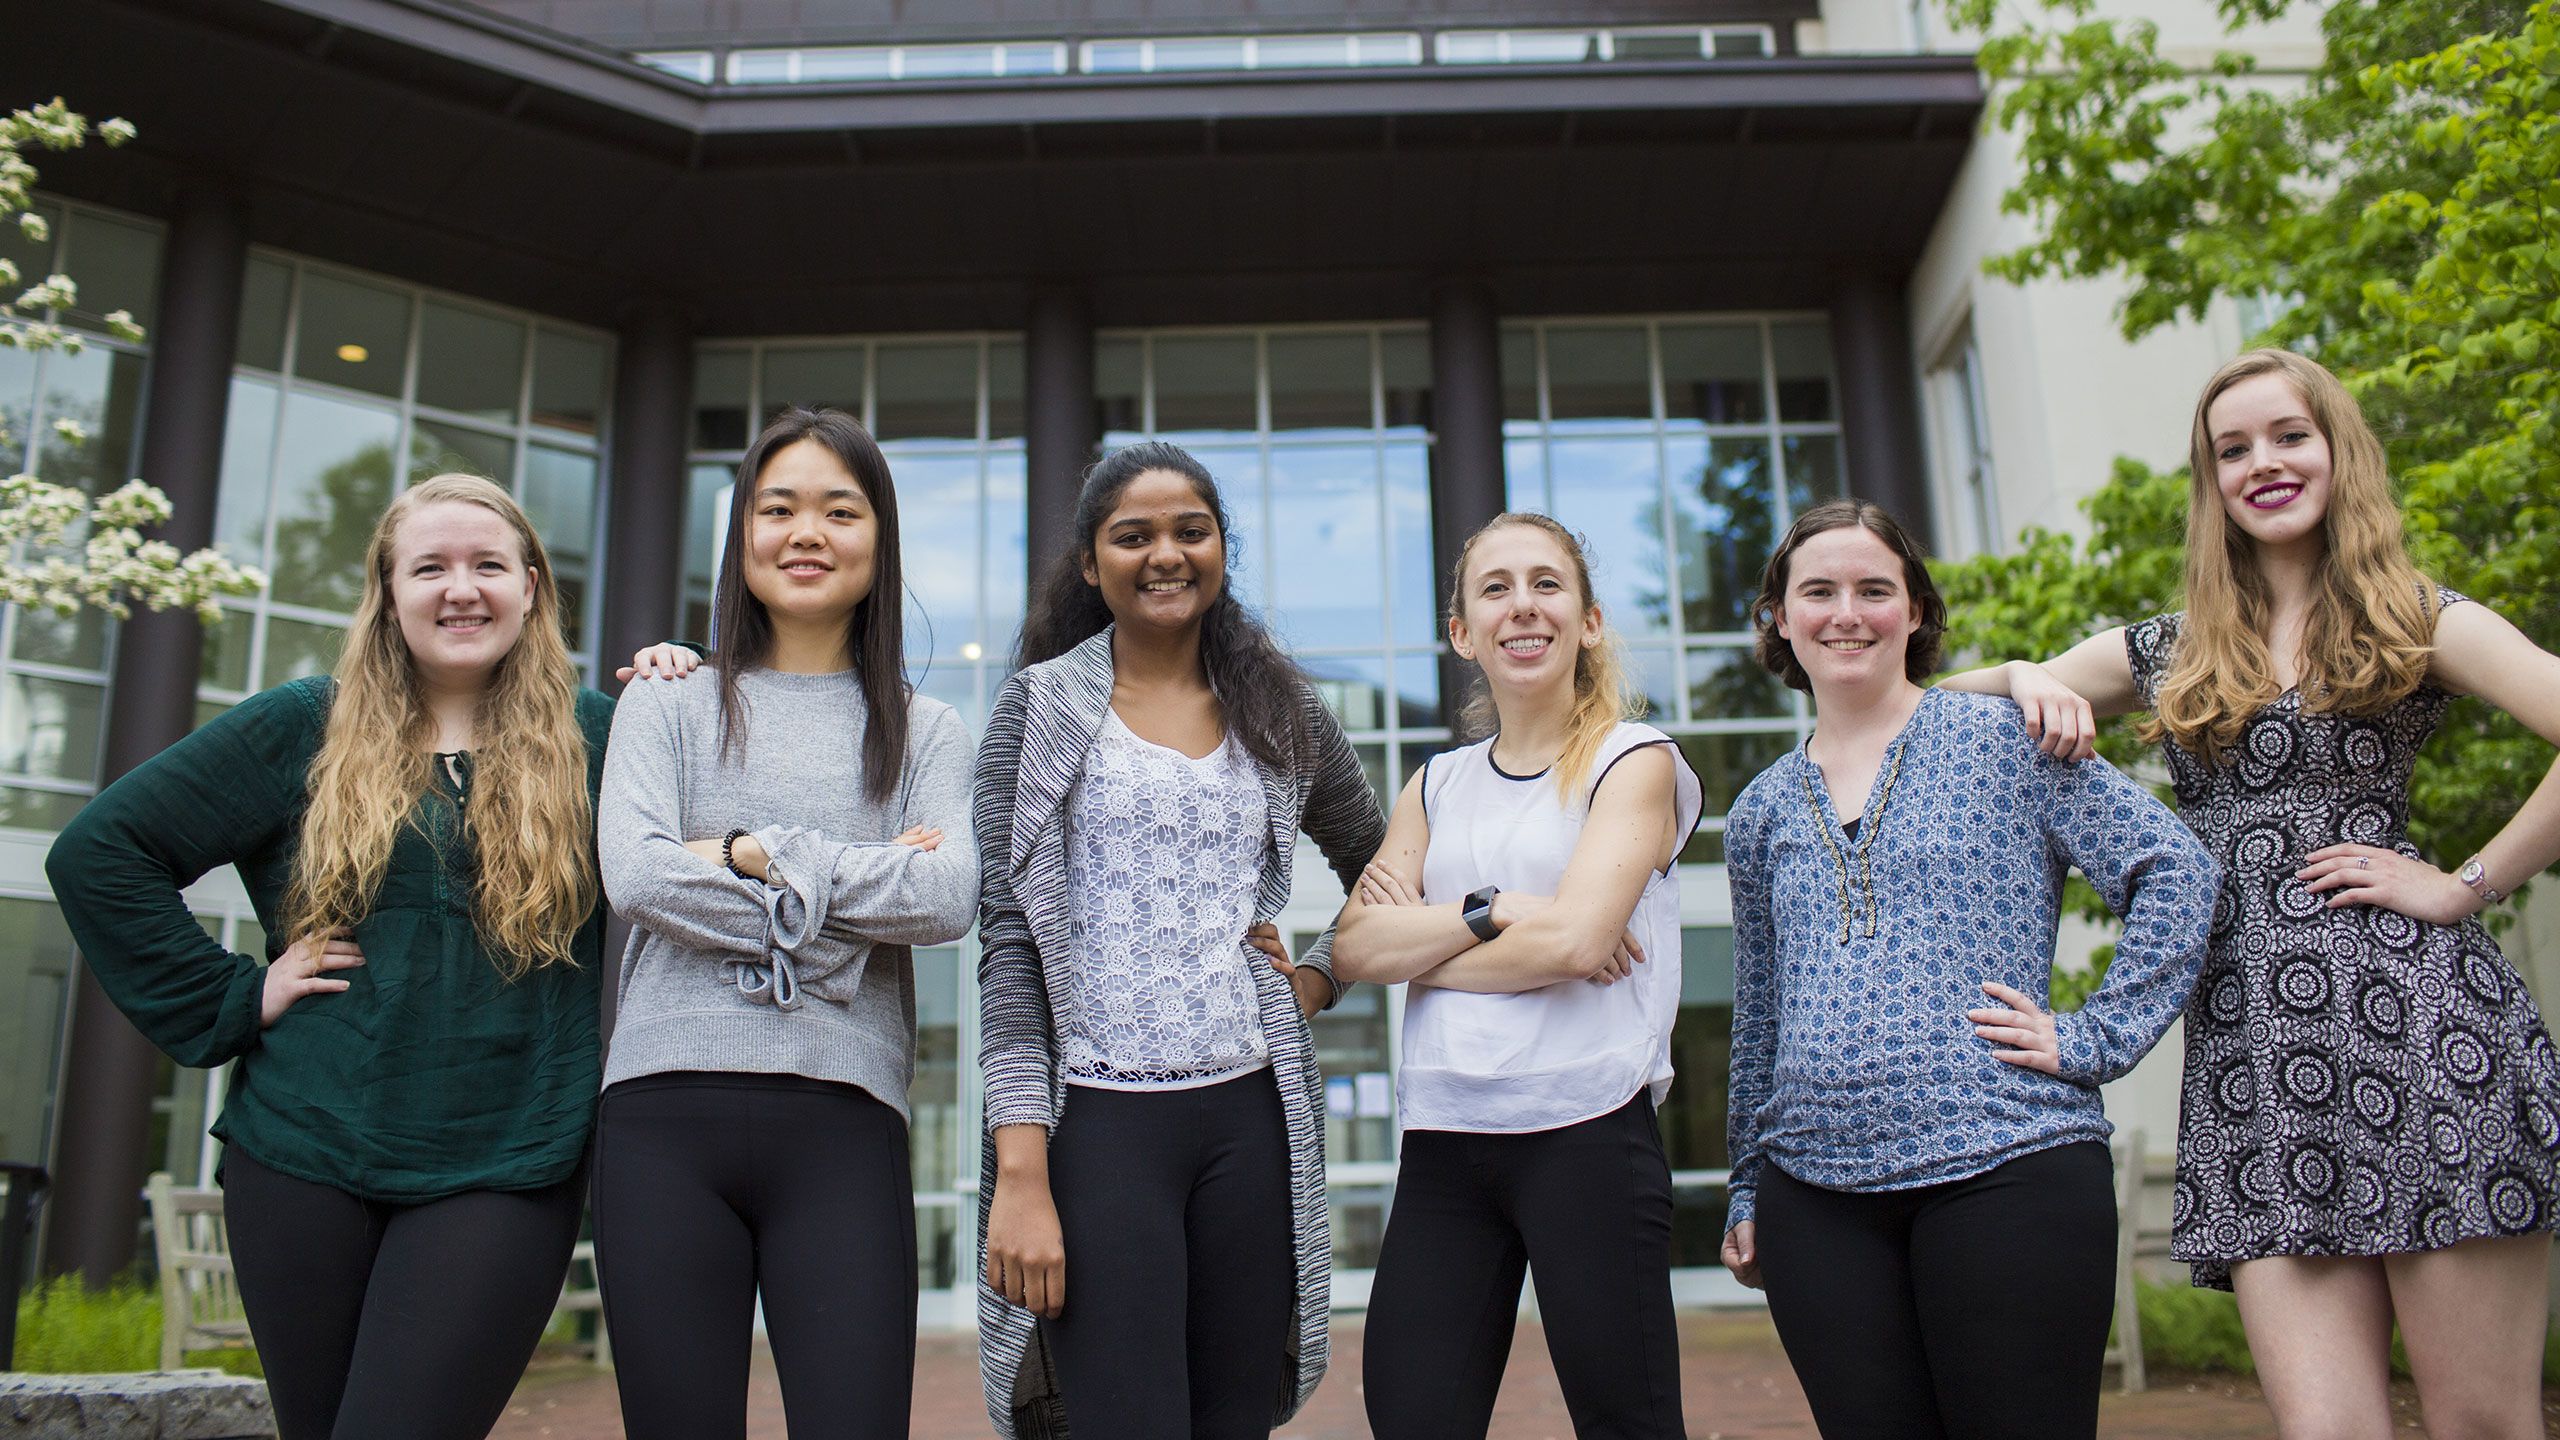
pixel 645 483
pixel 1467 483
pixel 644 514
pixel 1061 426
pixel 1880 399
pixel 102 1121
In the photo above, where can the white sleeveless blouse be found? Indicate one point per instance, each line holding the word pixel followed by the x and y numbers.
pixel 1569 1052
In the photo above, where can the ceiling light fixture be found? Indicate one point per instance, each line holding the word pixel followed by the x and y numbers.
pixel 353 354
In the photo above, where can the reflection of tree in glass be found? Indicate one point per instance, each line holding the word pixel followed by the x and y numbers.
pixel 319 556
pixel 1730 685
pixel 1724 536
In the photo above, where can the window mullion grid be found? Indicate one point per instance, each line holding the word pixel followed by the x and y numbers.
pixel 1667 526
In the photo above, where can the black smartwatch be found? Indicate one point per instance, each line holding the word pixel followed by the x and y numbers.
pixel 1477 911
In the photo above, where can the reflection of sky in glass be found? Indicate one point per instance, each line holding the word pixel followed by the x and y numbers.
pixel 1008 543
pixel 1417 618
pixel 938 528
pixel 1611 492
pixel 1524 475
pixel 1650 669
pixel 1325 559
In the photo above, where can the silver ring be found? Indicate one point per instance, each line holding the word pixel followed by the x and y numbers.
pixel 2364 862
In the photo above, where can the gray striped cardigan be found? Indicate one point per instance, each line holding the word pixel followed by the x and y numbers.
pixel 1044 723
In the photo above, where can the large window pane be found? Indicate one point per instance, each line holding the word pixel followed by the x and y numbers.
pixel 49 728
pixel 1354 688
pixel 1728 682
pixel 560 498
pixel 1520 377
pixel 938 545
pixel 351 334
pixel 117 265
pixel 1598 375
pixel 470 362
pixel 100 390
pixel 1415 583
pixel 928 392
pixel 1004 390
pixel 1726 763
pixel 263 294
pixel 1813 469
pixel 937 1139
pixel 1119 391
pixel 1404 377
pixel 1524 474
pixel 1204 386
pixel 248 455
pixel 34 258
pixel 1724 516
pixel 706 515
pixel 36 960
pixel 720 380
pixel 813 378
pixel 333 476
pixel 1711 374
pixel 1007 562
pixel 440 449
pixel 1611 492
pixel 78 639
pixel 17 405
pixel 1649 671
pixel 296 649
pixel 1320 382
pixel 1802 356
pixel 225 658
pixel 1326 505
pixel 569 374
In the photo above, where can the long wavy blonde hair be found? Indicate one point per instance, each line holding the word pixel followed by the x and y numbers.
pixel 529 823
pixel 2372 623
pixel 1602 693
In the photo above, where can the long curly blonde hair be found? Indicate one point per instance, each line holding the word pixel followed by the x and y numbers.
pixel 529 824
pixel 1602 694
pixel 2371 628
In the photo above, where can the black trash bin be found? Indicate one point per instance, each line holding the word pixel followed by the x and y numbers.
pixel 19 1185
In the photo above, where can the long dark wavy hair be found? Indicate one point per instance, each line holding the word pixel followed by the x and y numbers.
pixel 874 635
pixel 1258 686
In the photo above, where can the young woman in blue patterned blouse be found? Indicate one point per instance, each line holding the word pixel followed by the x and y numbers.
pixel 2369 1125
pixel 1920 1173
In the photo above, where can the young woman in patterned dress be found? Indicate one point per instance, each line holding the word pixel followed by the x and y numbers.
pixel 1920 1175
pixel 2370 1123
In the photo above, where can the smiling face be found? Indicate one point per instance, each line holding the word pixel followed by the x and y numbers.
pixel 1847 612
pixel 1521 612
pixel 1159 558
pixel 2271 461
pixel 810 537
pixel 460 588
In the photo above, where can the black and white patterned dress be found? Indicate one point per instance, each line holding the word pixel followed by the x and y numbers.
pixel 2357 1082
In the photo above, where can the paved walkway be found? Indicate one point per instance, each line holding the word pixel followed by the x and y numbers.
pixel 1735 1378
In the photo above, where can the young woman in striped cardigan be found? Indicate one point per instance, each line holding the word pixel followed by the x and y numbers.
pixel 1144 778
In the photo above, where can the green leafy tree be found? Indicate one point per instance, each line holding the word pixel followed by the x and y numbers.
pixel 62 547
pixel 2401 206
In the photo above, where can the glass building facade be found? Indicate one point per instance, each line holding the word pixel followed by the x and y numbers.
pixel 1678 444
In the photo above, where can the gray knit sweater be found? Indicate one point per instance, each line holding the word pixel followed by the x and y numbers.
pixel 810 975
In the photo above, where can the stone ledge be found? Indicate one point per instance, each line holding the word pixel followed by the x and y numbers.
pixel 155 1405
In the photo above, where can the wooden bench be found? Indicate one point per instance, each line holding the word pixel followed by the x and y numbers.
pixel 200 1299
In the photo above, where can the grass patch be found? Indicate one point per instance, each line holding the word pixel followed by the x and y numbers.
pixel 66 1328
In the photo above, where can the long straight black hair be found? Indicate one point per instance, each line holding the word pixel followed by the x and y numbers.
pixel 874 635
pixel 1258 686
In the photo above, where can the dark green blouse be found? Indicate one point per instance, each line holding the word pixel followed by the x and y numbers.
pixel 432 1074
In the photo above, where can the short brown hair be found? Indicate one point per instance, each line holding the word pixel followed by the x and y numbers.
pixel 1920 660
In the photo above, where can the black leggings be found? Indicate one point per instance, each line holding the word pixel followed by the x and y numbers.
pixel 1976 1309
pixel 711 1188
pixel 394 1322
pixel 1586 1209
pixel 1181 1269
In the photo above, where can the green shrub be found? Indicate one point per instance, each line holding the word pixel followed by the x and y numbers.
pixel 2184 1328
pixel 66 1328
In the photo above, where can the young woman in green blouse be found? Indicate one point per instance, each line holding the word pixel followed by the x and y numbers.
pixel 418 1061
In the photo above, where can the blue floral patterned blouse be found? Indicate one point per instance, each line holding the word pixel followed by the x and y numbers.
pixel 1855 960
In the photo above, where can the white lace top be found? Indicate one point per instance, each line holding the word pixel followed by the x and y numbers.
pixel 1163 856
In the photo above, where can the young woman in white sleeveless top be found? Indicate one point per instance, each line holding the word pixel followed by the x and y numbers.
pixel 1524 892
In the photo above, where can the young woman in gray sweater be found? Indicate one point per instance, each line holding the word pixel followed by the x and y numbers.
pixel 779 828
